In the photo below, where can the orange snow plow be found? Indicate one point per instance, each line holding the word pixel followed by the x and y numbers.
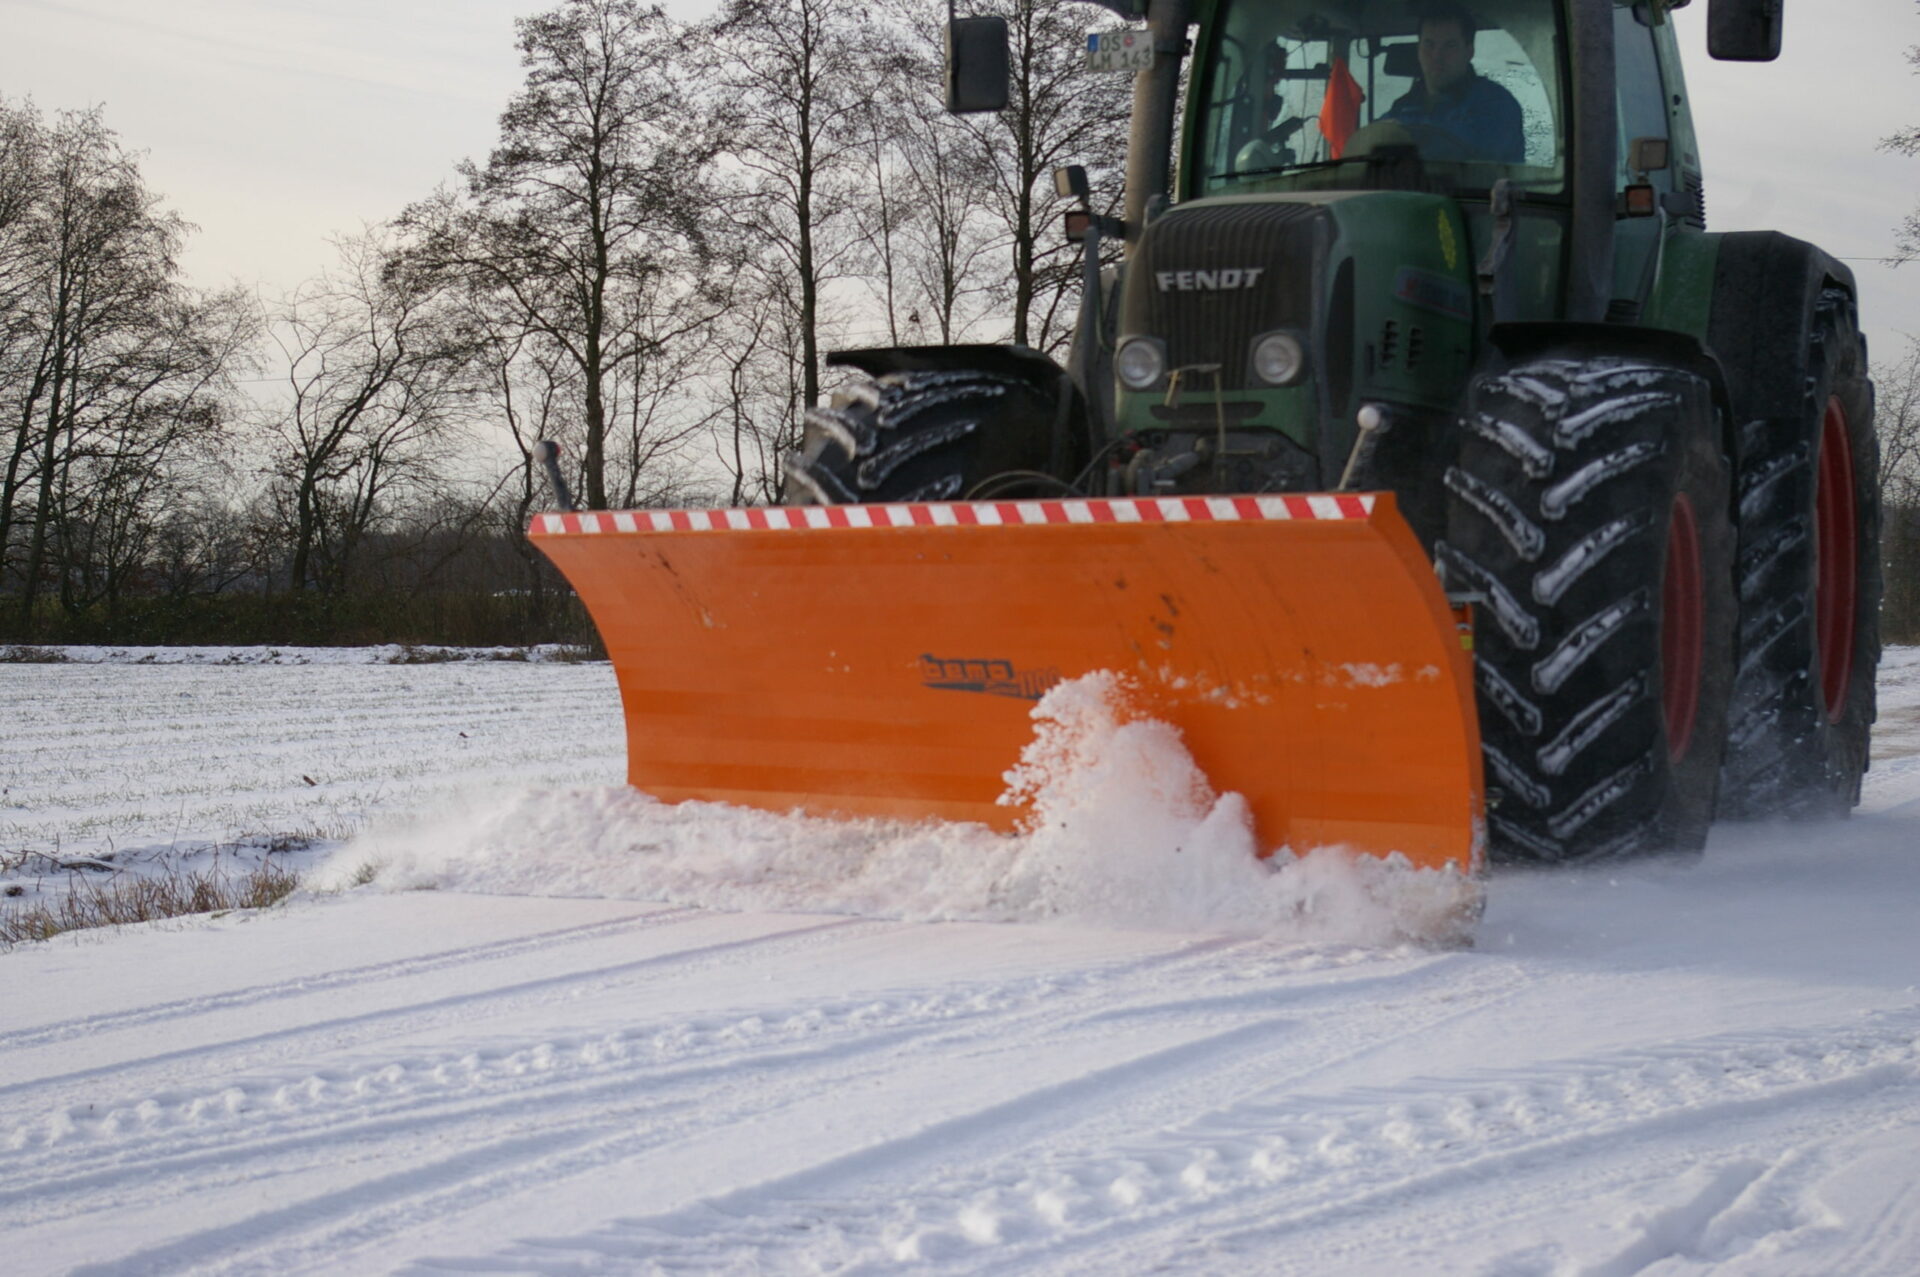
pixel 884 660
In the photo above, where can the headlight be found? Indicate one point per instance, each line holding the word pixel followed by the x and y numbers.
pixel 1140 363
pixel 1278 359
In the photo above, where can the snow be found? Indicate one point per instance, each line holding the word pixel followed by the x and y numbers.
pixel 566 1029
pixel 1185 870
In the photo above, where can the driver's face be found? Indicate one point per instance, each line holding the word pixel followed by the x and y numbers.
pixel 1446 55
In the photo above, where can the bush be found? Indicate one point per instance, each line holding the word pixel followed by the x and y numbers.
pixel 462 619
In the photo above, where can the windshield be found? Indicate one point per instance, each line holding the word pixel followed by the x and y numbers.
pixel 1317 92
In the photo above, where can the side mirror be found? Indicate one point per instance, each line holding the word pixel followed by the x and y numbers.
pixel 1744 30
pixel 977 76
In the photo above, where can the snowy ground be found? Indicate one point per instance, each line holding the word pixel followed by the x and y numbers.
pixel 566 1030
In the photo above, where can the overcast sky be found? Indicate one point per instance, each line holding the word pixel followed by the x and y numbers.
pixel 273 123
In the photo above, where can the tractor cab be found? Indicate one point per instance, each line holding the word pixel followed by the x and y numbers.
pixel 1365 190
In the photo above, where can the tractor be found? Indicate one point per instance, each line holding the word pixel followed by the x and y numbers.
pixel 1459 254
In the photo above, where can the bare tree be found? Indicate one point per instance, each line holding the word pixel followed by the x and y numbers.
pixel 156 409
pixel 1897 419
pixel 932 249
pixel 1059 114
pixel 201 546
pixel 532 387
pixel 957 255
pixel 757 385
pixel 795 79
pixel 22 182
pixel 883 215
pixel 110 367
pixel 1907 142
pixel 588 222
pixel 376 375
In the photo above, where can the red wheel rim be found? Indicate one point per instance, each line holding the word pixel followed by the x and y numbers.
pixel 1836 583
pixel 1683 624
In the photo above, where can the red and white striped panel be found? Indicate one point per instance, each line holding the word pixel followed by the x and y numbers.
pixel 963 514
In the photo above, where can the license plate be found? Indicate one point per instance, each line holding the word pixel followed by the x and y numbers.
pixel 1119 50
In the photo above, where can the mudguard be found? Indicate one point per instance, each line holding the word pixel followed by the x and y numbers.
pixel 884 660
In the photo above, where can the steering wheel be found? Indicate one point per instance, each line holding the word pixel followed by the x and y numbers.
pixel 1260 155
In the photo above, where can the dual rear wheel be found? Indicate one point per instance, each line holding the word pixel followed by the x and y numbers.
pixel 1642 668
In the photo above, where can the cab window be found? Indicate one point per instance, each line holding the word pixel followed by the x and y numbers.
pixel 1320 93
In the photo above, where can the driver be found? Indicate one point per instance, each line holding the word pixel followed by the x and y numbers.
pixel 1478 120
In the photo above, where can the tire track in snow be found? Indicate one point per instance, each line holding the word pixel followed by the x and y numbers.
pixel 1187 1076
pixel 949 1008
pixel 1264 1171
pixel 219 1158
pixel 591 1086
pixel 324 982
pixel 343 1032
pixel 329 1226
pixel 389 1101
pixel 1267 1173
pixel 1749 1199
pixel 320 1232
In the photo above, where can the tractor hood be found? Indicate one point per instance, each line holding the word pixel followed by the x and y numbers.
pixel 1375 286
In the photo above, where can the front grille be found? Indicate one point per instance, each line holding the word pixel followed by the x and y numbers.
pixel 1208 244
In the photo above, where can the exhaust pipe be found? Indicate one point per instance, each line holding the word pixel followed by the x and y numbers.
pixel 547 453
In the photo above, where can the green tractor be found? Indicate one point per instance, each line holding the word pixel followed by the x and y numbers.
pixel 1460 254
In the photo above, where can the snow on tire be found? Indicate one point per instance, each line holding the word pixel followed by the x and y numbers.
pixel 1810 581
pixel 1589 511
pixel 918 436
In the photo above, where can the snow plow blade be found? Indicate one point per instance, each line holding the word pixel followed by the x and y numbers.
pixel 884 660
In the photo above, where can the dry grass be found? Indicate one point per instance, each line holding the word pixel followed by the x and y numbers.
pixel 128 898
pixel 413 654
pixel 419 654
pixel 27 654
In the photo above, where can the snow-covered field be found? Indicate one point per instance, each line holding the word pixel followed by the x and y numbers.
pixel 566 1030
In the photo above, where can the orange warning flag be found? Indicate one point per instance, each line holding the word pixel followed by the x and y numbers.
pixel 1340 113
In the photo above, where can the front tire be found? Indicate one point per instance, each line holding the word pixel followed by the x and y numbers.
pixel 1589 509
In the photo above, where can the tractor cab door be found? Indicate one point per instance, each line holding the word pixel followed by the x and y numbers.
pixel 1659 192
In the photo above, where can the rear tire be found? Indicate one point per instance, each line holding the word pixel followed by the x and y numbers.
pixel 1809 619
pixel 1589 506
pixel 921 436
